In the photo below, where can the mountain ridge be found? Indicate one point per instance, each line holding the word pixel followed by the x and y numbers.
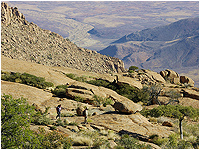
pixel 179 29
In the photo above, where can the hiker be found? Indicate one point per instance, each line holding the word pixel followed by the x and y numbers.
pixel 85 114
pixel 58 109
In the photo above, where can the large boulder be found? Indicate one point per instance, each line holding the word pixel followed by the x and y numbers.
pixel 167 123
pixel 175 80
pixel 169 74
pixel 80 110
pixel 84 94
pixel 185 79
pixel 127 106
pixel 172 74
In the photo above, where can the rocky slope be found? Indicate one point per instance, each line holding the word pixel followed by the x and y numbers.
pixel 26 41
pixel 120 119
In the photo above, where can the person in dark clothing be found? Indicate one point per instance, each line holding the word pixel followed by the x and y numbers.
pixel 58 109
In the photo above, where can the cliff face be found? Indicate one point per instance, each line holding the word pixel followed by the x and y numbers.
pixel 26 41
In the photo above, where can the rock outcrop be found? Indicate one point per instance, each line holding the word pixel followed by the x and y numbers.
pixel 170 75
pixel 26 41
pixel 175 78
pixel 185 79
pixel 136 124
pixel 190 93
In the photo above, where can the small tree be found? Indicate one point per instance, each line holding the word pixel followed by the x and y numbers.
pixel 174 96
pixel 177 111
pixel 132 68
pixel 153 91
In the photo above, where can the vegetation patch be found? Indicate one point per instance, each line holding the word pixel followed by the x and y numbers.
pixel 25 78
pixel 60 91
pixel 16 116
pixel 127 142
pixel 74 77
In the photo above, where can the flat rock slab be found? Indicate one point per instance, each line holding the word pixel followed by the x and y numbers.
pixel 134 123
pixel 32 94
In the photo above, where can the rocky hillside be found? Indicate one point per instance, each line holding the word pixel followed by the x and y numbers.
pixel 121 117
pixel 172 46
pixel 26 41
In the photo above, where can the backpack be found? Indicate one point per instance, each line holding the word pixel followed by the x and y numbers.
pixel 57 109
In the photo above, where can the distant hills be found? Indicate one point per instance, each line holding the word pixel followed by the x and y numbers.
pixel 171 46
pixel 95 24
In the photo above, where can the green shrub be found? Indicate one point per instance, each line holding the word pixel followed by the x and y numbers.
pixel 159 141
pixel 66 115
pixel 70 75
pixel 41 118
pixel 102 101
pixel 184 145
pixel 16 116
pixel 53 128
pixel 79 99
pixel 171 111
pixel 26 78
pixel 60 91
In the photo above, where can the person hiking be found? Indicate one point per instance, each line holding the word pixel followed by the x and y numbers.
pixel 58 109
pixel 85 114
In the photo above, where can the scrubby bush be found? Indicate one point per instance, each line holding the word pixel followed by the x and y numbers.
pixel 41 118
pixel 73 124
pixel 151 93
pixel 26 78
pixel 102 101
pixel 127 142
pixel 59 122
pixel 82 141
pixel 174 96
pixel 53 140
pixel 79 99
pixel 60 91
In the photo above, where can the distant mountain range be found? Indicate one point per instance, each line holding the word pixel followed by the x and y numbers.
pixel 171 46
